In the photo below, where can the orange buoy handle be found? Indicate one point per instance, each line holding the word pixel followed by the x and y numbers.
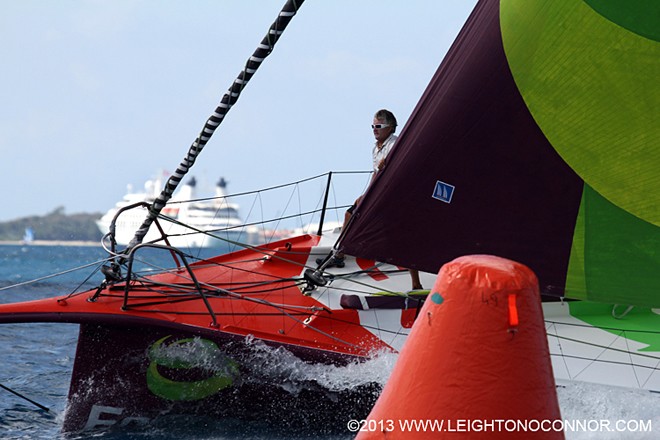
pixel 513 310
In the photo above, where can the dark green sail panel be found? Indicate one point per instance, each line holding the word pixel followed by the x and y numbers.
pixel 615 256
pixel 639 16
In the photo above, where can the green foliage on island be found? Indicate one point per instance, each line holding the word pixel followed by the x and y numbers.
pixel 53 226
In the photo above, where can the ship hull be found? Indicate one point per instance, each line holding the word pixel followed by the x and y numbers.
pixel 119 380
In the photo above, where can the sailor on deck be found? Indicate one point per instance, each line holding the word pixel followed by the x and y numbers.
pixel 384 126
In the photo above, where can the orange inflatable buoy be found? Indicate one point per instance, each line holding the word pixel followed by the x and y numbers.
pixel 476 363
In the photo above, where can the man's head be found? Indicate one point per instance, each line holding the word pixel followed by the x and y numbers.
pixel 384 125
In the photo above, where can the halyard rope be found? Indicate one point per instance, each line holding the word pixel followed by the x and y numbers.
pixel 228 100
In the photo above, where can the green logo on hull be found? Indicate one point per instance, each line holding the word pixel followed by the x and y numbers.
pixel 175 368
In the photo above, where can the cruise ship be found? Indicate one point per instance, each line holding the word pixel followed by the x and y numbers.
pixel 182 219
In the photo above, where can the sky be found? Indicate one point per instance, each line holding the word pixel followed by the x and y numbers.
pixel 96 95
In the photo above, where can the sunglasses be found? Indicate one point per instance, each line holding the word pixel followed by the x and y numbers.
pixel 379 126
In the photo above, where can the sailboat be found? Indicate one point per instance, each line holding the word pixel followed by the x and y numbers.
pixel 28 235
pixel 536 140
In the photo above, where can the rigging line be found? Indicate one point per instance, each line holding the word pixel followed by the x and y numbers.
pixel 296 216
pixel 214 288
pixel 378 294
pixel 239 291
pixel 296 182
pixel 98 262
pixel 347 225
pixel 344 276
pixel 271 188
pixel 187 290
pixel 262 224
pixel 320 202
pixel 561 349
pixel 147 280
pixel 155 294
pixel 197 261
pixel 347 290
pixel 279 219
pixel 16 393
pixel 368 289
pixel 286 217
pixel 282 310
pixel 300 216
pixel 261 190
pixel 266 252
pixel 369 270
pixel 371 286
pixel 606 347
pixel 230 267
pixel 242 314
pixel 328 335
pixel 139 277
pixel 294 308
pixel 290 316
pixel 271 290
pixel 75 291
pixel 280 307
pixel 210 233
pixel 334 197
pixel 243 289
pixel 210 288
pixel 152 268
pixel 243 225
pixel 291 283
pixel 264 49
pixel 227 240
pixel 140 284
pixel 261 209
pixel 372 327
pixel 602 361
pixel 239 285
pixel 630 354
pixel 655 368
pixel 573 324
pixel 295 190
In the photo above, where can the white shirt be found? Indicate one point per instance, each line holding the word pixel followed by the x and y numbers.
pixel 380 154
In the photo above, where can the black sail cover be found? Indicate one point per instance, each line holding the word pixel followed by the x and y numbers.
pixel 473 173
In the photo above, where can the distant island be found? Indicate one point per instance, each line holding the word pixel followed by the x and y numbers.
pixel 54 226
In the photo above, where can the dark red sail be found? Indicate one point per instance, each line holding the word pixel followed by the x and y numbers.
pixel 471 133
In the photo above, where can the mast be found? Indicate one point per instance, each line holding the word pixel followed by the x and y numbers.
pixel 228 100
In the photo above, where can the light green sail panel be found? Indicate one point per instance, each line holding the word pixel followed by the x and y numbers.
pixel 591 81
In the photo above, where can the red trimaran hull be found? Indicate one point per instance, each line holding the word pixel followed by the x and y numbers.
pixel 167 348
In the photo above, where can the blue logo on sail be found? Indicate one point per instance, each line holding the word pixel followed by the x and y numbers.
pixel 443 191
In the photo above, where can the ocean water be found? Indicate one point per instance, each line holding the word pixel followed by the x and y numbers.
pixel 37 359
